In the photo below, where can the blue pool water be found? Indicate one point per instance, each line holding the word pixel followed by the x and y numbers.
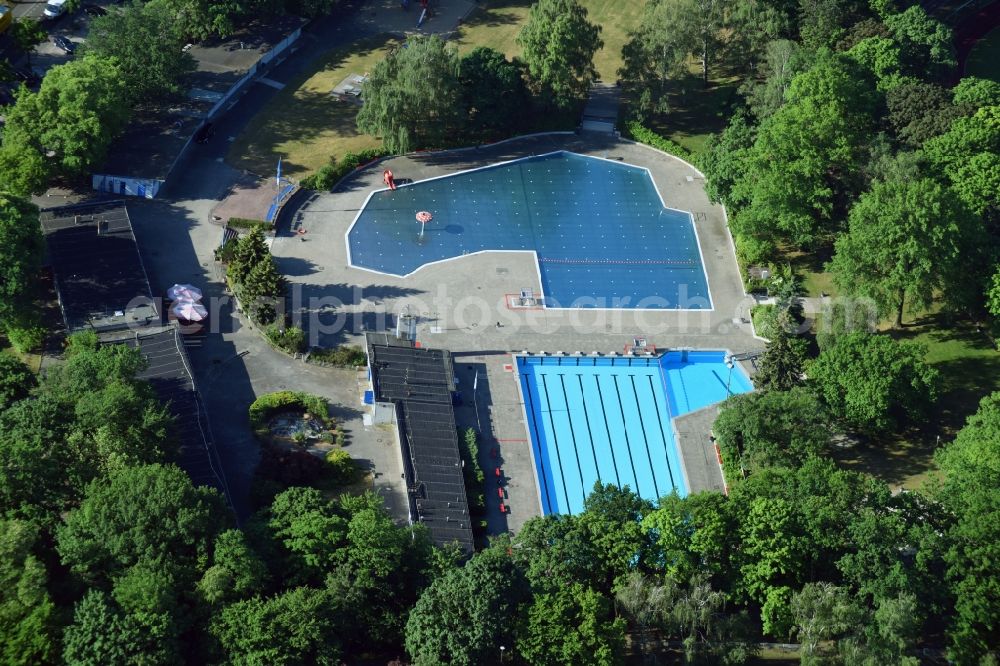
pixel 601 234
pixel 609 419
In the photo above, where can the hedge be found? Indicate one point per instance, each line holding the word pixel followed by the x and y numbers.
pixel 330 174
pixel 270 403
pixel 344 356
pixel 647 136
pixel 291 339
pixel 245 223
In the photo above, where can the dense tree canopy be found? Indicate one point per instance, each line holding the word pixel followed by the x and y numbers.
pixel 559 44
pixel 145 42
pixel 904 241
pixel 412 96
pixel 20 259
pixel 873 383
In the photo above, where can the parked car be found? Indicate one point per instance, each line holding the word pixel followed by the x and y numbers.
pixel 95 10
pixel 54 9
pixel 64 43
pixel 27 77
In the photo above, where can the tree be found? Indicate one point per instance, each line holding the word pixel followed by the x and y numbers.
pixel 144 40
pixel 309 531
pixel 774 428
pixel 783 60
pixel 824 22
pixel 136 513
pixel 612 520
pixel 726 157
pixel 466 613
pixel 555 549
pixel 919 111
pixel 772 561
pixel 927 44
pixel 904 240
pixel 558 44
pixel 236 571
pixel 882 57
pixel 37 471
pixel 822 612
pixel 262 292
pixel 21 249
pixel 572 624
pixel 200 19
pixel 784 356
pixel 974 92
pixel 251 250
pixel 28 617
pixel 16 381
pixel 67 126
pixel 968 156
pixel 295 627
pixel 754 26
pixel 493 93
pixel 873 383
pixel 412 96
pixel 692 536
pixel 801 163
pixel 102 635
pixel 971 466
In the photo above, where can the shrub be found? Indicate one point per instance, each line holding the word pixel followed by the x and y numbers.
pixel 330 174
pixel 246 223
pixel 292 339
pixel 643 134
pixel 765 320
pixel 344 356
pixel 473 473
pixel 26 338
pixel 270 403
pixel 343 471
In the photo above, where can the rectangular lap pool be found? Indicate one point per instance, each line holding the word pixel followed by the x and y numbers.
pixel 610 419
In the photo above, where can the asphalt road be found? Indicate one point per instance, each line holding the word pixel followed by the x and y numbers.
pixel 177 240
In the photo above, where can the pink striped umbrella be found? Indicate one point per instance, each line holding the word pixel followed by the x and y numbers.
pixel 189 311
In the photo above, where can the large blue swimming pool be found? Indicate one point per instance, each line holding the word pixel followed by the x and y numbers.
pixel 601 233
pixel 610 419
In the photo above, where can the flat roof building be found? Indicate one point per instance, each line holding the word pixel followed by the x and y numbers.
pixel 99 277
pixel 419 384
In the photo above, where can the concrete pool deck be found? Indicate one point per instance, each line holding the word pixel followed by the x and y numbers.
pixel 458 304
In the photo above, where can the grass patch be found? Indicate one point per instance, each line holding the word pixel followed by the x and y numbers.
pixel 970 369
pixel 984 60
pixel 304 123
pixel 496 25
pixel 696 112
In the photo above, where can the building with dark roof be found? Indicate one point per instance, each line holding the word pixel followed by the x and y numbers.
pixel 419 384
pixel 102 286
pixel 170 376
pixel 99 277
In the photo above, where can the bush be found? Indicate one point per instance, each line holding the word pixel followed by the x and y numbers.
pixel 473 473
pixel 647 136
pixel 270 403
pixel 26 338
pixel 343 471
pixel 245 223
pixel 344 356
pixel 292 339
pixel 330 174
pixel 765 320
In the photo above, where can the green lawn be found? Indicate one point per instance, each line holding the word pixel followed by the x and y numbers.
pixel 304 123
pixel 697 112
pixel 970 369
pixel 497 23
pixel 984 61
